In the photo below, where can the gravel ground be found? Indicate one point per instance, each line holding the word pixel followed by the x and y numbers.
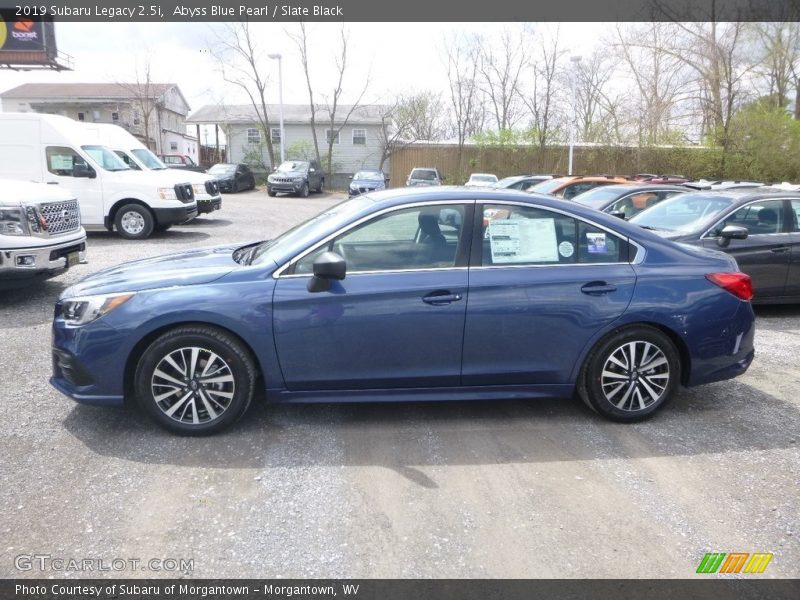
pixel 510 489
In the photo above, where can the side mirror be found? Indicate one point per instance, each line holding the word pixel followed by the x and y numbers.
pixel 350 177
pixel 731 232
pixel 387 180
pixel 618 213
pixel 328 266
pixel 312 170
pixel 86 171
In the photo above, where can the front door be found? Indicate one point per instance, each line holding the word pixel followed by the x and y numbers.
pixel 396 320
pixel 61 162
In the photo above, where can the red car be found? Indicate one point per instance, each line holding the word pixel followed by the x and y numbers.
pixel 181 161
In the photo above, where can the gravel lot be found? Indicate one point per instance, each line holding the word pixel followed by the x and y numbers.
pixel 507 489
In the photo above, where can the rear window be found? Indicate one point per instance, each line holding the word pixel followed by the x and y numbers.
pixel 426 174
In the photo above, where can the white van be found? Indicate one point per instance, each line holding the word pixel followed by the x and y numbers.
pixel 139 158
pixel 59 151
pixel 40 233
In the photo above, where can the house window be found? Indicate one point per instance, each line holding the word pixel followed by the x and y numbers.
pixel 253 136
pixel 173 146
pixel 115 116
pixel 275 133
pixel 329 133
pixel 81 116
pixel 359 137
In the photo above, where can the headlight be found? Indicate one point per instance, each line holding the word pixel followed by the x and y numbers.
pixel 353 186
pixel 167 194
pixel 12 222
pixel 85 309
pixel 271 178
pixel 199 188
pixel 297 179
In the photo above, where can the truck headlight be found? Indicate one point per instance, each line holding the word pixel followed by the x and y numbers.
pixel 13 222
pixel 85 309
pixel 167 193
pixel 297 179
pixel 199 189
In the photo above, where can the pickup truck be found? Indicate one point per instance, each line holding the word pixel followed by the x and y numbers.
pixel 181 161
pixel 40 233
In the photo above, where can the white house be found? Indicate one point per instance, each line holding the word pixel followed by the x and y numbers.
pixel 123 104
pixel 358 144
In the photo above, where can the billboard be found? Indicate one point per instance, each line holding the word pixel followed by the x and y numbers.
pixel 27 42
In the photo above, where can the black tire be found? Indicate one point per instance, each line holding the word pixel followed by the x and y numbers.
pixel 253 184
pixel 226 385
pixel 134 222
pixel 608 386
pixel 272 192
pixel 320 186
pixel 304 191
pixel 235 187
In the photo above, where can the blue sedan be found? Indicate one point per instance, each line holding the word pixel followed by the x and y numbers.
pixel 411 294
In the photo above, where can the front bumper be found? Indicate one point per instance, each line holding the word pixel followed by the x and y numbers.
pixel 285 187
pixel 208 205
pixel 175 216
pixel 42 261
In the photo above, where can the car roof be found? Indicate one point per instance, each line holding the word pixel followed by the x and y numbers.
pixel 643 187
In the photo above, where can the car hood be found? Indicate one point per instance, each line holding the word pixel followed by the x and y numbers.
pixel 297 173
pixel 181 269
pixel 369 182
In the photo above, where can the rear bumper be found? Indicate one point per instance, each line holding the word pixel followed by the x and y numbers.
pixel 209 205
pixel 19 264
pixel 175 216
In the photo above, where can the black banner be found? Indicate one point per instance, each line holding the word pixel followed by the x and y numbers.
pixel 23 35
pixel 407 10
pixel 403 589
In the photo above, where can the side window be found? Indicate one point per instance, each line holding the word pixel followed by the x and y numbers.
pixel 633 204
pixel 796 211
pixel 62 160
pixel 576 189
pixel 760 218
pixel 127 160
pixel 517 235
pixel 425 237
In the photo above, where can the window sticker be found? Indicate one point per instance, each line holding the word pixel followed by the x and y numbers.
pixel 523 241
pixel 597 243
pixel 566 249
pixel 61 162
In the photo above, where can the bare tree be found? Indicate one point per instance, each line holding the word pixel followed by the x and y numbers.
pixel 779 61
pixel 238 56
pixel 301 40
pixel 542 99
pixel 591 78
pixel 410 119
pixel 146 97
pixel 466 100
pixel 501 66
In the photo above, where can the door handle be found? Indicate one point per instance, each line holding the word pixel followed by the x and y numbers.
pixel 441 297
pixel 780 249
pixel 595 288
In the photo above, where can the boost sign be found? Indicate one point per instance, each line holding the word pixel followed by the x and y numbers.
pixel 21 36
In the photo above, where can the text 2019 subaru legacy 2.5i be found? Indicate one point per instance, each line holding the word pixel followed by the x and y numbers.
pixel 422 294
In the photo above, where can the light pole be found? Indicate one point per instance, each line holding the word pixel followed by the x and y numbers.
pixel 279 58
pixel 576 61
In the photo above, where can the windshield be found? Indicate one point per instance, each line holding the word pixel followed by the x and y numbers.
pixel 505 182
pixel 369 176
pixel 425 174
pixel 222 168
pixel 307 231
pixel 105 158
pixel 148 159
pixel 547 187
pixel 685 213
pixel 599 196
pixel 487 178
pixel 293 165
pixel 132 164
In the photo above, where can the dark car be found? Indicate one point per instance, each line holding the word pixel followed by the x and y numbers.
pixel 626 200
pixel 759 228
pixel 520 182
pixel 233 178
pixel 367 181
pixel 299 177
pixel 385 297
pixel 181 161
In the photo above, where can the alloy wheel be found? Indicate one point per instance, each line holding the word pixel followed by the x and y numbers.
pixel 635 376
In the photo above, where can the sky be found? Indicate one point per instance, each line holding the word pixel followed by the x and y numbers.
pixel 397 57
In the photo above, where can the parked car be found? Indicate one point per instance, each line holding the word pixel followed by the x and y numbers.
pixel 181 161
pixel 569 187
pixel 369 301
pixel 139 158
pixel 299 177
pixel 481 180
pixel 520 182
pixel 233 178
pixel 40 233
pixel 757 227
pixel 703 184
pixel 59 151
pixel 367 181
pixel 644 176
pixel 627 199
pixel 424 176
pixel 669 179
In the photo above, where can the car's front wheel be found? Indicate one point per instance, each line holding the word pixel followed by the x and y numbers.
pixel 134 222
pixel 630 374
pixel 195 380
pixel 304 191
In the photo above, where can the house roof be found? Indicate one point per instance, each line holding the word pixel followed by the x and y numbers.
pixel 87 91
pixel 292 113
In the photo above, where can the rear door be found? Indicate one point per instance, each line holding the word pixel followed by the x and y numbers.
pixel 541 285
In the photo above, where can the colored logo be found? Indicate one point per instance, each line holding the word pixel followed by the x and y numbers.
pixel 734 562
pixel 24 25
pixel 24 31
pixel 3 32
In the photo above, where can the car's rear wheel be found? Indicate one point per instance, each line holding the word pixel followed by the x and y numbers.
pixel 134 222
pixel 630 373
pixel 195 380
pixel 320 187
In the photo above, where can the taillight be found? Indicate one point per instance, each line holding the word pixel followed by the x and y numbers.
pixel 738 284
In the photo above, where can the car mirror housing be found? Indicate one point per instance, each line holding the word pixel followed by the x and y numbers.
pixel 731 232
pixel 617 213
pixel 328 266
pixel 79 170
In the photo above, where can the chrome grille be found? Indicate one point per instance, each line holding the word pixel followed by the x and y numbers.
pixel 283 179
pixel 60 217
